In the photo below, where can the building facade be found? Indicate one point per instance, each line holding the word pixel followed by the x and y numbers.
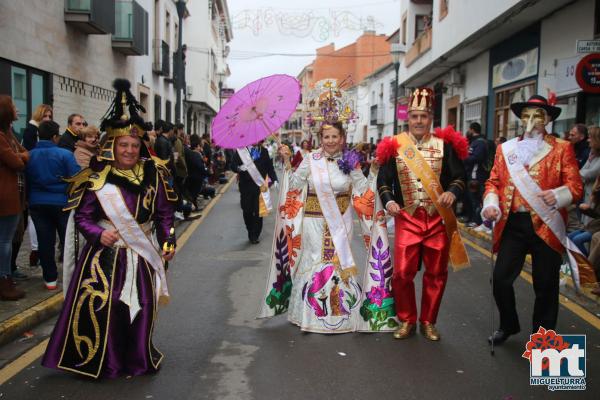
pixel 513 49
pixel 63 53
pixel 67 53
pixel 207 33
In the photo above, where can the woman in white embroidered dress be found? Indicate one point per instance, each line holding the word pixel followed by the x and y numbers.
pixel 325 297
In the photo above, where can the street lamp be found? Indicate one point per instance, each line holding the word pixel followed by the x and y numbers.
pixel 396 52
pixel 179 84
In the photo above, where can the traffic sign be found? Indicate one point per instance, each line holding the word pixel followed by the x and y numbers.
pixel 587 73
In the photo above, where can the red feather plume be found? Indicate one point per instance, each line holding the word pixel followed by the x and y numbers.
pixel 456 140
pixel 387 149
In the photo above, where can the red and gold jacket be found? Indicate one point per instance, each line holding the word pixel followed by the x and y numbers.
pixel 554 167
pixel 444 150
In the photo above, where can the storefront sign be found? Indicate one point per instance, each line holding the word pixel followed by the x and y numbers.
pixel 402 112
pixel 227 93
pixel 587 73
pixel 588 46
pixel 516 69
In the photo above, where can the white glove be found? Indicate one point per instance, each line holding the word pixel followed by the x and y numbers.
pixel 275 185
pixel 243 168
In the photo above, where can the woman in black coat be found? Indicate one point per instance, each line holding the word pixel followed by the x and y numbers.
pixel 43 112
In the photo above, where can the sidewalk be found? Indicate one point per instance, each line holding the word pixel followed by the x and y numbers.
pixel 40 304
pixel 481 241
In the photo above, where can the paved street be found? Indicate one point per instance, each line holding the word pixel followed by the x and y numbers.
pixel 215 349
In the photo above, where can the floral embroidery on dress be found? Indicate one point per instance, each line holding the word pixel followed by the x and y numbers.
pixel 292 205
pixel 364 205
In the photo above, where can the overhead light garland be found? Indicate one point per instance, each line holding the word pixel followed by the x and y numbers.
pixel 304 24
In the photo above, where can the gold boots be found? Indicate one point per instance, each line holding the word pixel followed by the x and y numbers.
pixel 406 330
pixel 428 330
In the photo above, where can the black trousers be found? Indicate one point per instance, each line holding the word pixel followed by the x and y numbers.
pixel 518 239
pixel 254 224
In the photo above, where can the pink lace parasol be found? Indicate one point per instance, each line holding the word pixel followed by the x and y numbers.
pixel 256 111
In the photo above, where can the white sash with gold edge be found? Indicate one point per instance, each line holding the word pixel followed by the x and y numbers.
pixel 529 189
pixel 133 236
pixel 336 222
pixel 257 178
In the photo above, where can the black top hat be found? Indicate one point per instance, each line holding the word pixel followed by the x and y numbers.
pixel 539 102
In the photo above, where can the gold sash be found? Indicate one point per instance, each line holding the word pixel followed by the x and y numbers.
pixel 418 166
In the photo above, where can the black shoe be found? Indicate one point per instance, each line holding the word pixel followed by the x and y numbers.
pixel 499 337
pixel 254 241
pixel 19 276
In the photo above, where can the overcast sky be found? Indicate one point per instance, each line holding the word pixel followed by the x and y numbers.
pixel 283 27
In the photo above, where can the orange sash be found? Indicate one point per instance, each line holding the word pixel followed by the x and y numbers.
pixel 418 166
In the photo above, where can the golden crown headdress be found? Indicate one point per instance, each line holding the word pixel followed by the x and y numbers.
pixel 329 103
pixel 421 100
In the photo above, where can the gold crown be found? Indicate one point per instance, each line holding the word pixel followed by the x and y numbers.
pixel 421 100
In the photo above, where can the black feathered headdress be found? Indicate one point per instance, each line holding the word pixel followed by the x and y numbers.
pixel 122 119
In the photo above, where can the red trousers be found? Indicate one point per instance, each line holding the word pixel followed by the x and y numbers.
pixel 419 237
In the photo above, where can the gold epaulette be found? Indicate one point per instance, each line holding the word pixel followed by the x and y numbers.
pixel 161 164
pixel 163 174
pixel 84 179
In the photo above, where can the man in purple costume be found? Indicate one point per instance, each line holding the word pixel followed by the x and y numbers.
pixel 124 209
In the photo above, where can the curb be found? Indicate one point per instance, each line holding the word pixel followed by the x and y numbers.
pixel 20 323
pixel 13 327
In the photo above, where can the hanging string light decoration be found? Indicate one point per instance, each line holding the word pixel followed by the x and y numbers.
pixel 305 23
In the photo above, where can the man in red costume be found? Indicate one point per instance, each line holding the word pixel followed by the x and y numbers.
pixel 534 175
pixel 420 178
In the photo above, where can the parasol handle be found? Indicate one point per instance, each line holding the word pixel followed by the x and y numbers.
pixel 277 138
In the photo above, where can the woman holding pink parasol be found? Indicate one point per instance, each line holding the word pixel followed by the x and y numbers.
pixel 313 274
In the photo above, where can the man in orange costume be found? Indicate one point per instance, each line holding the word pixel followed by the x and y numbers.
pixel 551 164
pixel 420 230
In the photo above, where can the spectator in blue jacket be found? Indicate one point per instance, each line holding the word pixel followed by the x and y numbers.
pixel 477 173
pixel 46 193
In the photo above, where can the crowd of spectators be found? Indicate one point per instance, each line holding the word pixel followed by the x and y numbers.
pixel 33 191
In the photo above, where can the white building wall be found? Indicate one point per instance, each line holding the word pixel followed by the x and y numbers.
pixel 380 85
pixel 458 24
pixel 202 42
pixel 362 109
pixel 558 55
pixel 157 84
pixel 477 76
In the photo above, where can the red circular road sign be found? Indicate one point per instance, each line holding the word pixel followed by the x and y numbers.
pixel 587 73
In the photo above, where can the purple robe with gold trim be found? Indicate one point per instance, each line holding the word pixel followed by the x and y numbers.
pixel 94 335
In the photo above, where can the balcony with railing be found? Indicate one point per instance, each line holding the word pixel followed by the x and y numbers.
pixel 91 16
pixel 421 45
pixel 131 28
pixel 376 116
